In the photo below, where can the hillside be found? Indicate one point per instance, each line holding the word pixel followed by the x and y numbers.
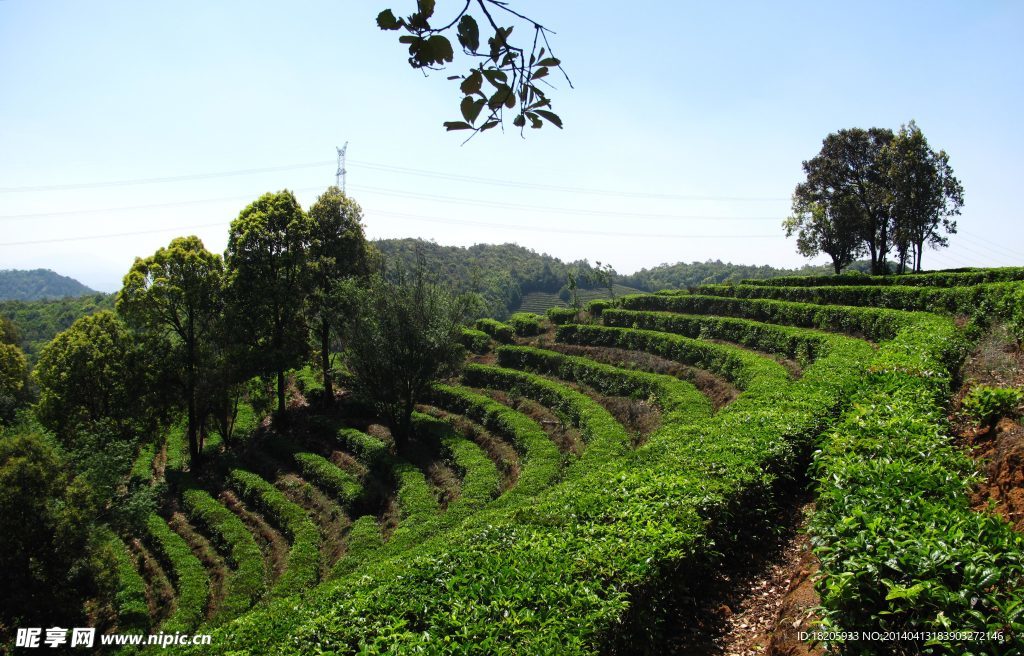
pixel 503 274
pixel 36 284
pixel 39 321
pixel 683 275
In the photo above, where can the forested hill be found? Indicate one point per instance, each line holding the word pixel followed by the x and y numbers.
pixel 20 285
pixel 682 274
pixel 37 322
pixel 502 273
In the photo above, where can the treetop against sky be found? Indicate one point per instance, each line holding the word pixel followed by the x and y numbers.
pixel 683 137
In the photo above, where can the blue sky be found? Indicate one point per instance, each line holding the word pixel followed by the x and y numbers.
pixel 683 137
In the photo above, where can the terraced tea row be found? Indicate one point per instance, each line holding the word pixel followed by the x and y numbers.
pixel 547 541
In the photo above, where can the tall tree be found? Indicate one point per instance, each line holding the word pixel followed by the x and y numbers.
pixel 833 230
pixel 97 371
pixel 926 194
pixel 268 279
pixel 404 336
pixel 177 293
pixel 337 255
pixel 848 177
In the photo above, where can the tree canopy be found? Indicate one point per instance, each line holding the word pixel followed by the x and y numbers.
pixel 405 335
pixel 874 192
pixel 176 294
pixel 338 254
pixel 268 247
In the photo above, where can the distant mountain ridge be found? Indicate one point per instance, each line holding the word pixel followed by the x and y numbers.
pixel 37 284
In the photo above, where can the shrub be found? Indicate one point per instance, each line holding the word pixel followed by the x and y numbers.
pixel 525 324
pixel 367 449
pixel 304 555
pixel 245 585
pixel 190 580
pixel 501 332
pixel 327 476
pixel 475 341
pixel 561 315
pixel 987 405
pixel 130 597
pixel 539 458
pixel 596 307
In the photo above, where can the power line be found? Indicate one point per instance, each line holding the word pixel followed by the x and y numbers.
pixel 174 178
pixel 562 188
pixel 428 219
pixel 132 208
pixel 452 200
pixel 387 168
pixel 111 235
pixel 552 210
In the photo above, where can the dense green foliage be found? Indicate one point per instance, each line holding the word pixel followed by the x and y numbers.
pixel 176 295
pixel 327 476
pixel 963 300
pixel 338 257
pixel 266 259
pixel 405 336
pixel 130 595
pixel 987 405
pixel 475 341
pixel 18 285
pixel 304 554
pixel 48 533
pixel 899 544
pixel 96 372
pixel 502 275
pixel 525 324
pixel 539 458
pixel 501 332
pixel 38 322
pixel 926 279
pixel 191 582
pixel 246 582
pixel 684 275
pixel 872 191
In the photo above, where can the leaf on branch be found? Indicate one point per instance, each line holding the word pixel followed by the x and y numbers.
pixel 440 49
pixel 471 108
pixel 457 125
pixel 550 61
pixel 469 33
pixel 519 121
pixel 539 73
pixel 488 125
pixel 472 83
pixel 495 77
pixel 386 20
pixel 426 8
pixel 551 117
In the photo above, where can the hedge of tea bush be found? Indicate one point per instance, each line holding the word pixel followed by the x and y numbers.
pixel 926 279
pixel 191 583
pixel 247 580
pixel 301 571
pixel 501 332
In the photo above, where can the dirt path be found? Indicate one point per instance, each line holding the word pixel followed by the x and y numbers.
pixel 756 605
pixel 996 361
pixel 271 542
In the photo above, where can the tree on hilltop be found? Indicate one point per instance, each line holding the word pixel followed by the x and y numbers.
pixel 338 254
pixel 405 335
pixel 870 191
pixel 266 261
pixel 926 194
pixel 176 293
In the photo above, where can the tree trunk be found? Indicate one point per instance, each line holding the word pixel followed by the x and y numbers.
pixel 193 439
pixel 836 264
pixel 280 392
pixel 325 359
